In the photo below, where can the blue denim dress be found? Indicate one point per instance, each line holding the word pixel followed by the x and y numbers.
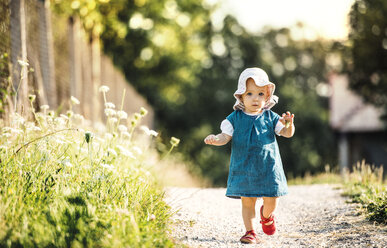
pixel 255 166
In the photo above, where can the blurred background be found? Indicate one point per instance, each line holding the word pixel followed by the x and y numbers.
pixel 182 59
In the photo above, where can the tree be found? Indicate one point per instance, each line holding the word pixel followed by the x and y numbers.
pixel 188 70
pixel 368 36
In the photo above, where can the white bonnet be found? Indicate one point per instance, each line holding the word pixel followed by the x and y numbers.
pixel 261 79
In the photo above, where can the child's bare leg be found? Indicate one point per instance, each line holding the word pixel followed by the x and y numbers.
pixel 269 205
pixel 248 212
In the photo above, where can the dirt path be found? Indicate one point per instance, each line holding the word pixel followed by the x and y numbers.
pixel 310 216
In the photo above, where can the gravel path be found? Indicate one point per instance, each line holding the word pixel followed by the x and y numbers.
pixel 310 216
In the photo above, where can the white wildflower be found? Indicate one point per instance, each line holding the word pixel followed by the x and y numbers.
pixel 125 152
pixel 151 217
pixel 78 119
pixel 122 114
pixel 153 133
pixel 110 105
pixel 22 62
pixel 123 211
pixel 122 128
pixel 18 120
pixel 60 121
pixel 44 107
pixel 16 131
pixel 104 89
pixel 67 164
pixel 112 152
pixel 65 117
pixel 113 120
pixel 148 132
pixel 6 135
pixel 35 128
pixel 84 150
pixel 137 150
pixel 59 140
pixel 74 100
pixel 108 136
pixel 125 135
pixel 110 112
pixel 107 166
pixel 98 126
pixel 145 129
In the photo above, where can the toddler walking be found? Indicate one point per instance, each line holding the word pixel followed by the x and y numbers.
pixel 255 166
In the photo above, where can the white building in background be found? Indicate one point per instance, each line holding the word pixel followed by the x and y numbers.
pixel 358 125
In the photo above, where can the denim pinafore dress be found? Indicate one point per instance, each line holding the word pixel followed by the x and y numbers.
pixel 255 167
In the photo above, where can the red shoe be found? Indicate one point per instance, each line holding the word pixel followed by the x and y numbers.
pixel 268 229
pixel 250 237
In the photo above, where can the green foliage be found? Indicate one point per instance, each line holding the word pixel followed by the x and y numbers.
pixel 368 37
pixel 188 70
pixel 63 187
pixel 373 199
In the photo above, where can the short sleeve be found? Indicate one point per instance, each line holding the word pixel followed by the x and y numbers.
pixel 227 127
pixel 278 128
pixel 276 123
pixel 274 118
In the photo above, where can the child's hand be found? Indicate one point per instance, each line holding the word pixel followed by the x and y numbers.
pixel 287 119
pixel 211 139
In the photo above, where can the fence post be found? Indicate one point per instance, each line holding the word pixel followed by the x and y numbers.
pixel 96 77
pixel 75 62
pixel 46 57
pixel 19 52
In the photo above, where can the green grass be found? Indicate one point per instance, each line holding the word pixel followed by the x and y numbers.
pixel 61 186
pixel 365 185
pixel 328 177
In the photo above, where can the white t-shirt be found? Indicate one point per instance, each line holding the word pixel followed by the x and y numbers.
pixel 228 129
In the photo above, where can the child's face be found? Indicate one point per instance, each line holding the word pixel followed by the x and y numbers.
pixel 255 97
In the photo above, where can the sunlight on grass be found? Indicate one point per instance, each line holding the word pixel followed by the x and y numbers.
pixel 364 184
pixel 63 183
pixel 329 177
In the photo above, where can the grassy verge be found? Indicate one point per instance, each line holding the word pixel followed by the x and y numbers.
pixel 62 186
pixel 328 177
pixel 364 185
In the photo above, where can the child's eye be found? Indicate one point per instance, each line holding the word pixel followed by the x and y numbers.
pixel 249 94
pixel 261 94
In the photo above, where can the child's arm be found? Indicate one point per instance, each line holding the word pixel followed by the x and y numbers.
pixel 288 120
pixel 217 140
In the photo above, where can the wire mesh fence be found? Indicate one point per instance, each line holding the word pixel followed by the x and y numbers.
pixel 63 61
